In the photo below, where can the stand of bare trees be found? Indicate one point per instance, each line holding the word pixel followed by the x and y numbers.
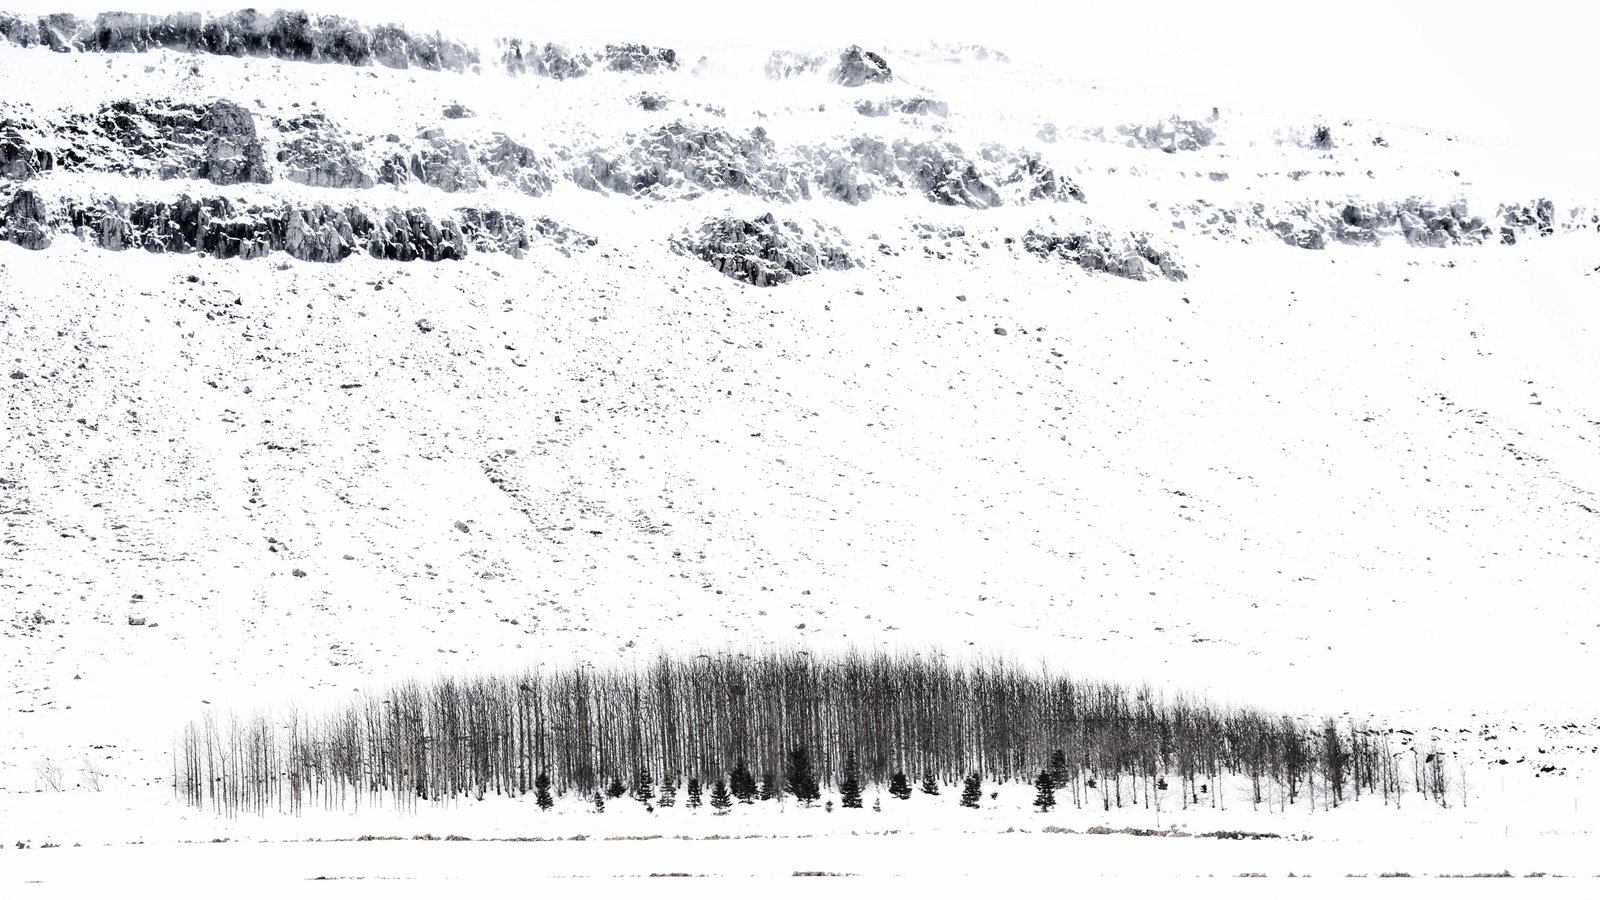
pixel 582 727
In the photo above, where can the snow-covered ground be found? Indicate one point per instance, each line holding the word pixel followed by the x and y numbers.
pixel 1354 480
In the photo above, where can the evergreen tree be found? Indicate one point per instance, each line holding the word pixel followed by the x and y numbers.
pixel 972 791
pixel 615 789
pixel 669 791
pixel 541 789
pixel 599 802
pixel 1046 798
pixel 800 780
pixel 1058 768
pixel 850 788
pixel 929 786
pixel 643 788
pixel 742 783
pixel 769 788
pixel 694 794
pixel 719 797
pixel 899 788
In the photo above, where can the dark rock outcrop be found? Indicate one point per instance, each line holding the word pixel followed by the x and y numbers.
pixel 520 166
pixel 550 61
pixel 858 67
pixel 1540 217
pixel 284 34
pixel 26 221
pixel 1131 256
pixel 686 160
pixel 440 162
pixel 216 142
pixel 227 229
pixel 315 152
pixel 943 175
pixel 761 251
pixel 640 58
pixel 19 159
pixel 1416 221
pixel 1034 178
pixel 863 169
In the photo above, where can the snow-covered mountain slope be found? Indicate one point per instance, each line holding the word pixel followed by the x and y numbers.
pixel 460 353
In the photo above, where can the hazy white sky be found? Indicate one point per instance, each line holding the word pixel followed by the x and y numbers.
pixel 1471 66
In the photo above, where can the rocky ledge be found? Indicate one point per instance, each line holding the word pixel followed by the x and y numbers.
pixel 1126 256
pixel 284 34
pixel 230 229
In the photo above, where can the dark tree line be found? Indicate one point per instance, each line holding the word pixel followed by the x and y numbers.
pixel 803 721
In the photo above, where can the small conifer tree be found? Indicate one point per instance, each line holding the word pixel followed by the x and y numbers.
pixel 899 787
pixel 972 791
pixel 599 802
pixel 541 791
pixel 720 801
pixel 742 783
pixel 1045 800
pixel 850 788
pixel 615 789
pixel 800 780
pixel 669 791
pixel 1058 768
pixel 643 788
pixel 768 789
pixel 929 786
pixel 694 794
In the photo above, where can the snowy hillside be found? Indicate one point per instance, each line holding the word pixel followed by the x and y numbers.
pixel 337 354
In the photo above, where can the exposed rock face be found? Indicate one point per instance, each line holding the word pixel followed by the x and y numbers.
pixel 688 160
pixel 762 251
pixel 550 61
pixel 216 143
pixel 1032 177
pixel 1540 216
pixel 232 152
pixel 1416 221
pixel 640 58
pixel 26 221
pixel 316 152
pixel 442 163
pixel 861 171
pixel 1131 256
pixel 916 106
pixel 938 170
pixel 526 171
pixel 558 62
pixel 457 111
pixel 316 233
pixel 858 67
pixel 285 34
pixel 1172 135
pixel 19 159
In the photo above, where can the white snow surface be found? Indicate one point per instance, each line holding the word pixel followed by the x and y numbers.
pixel 1355 480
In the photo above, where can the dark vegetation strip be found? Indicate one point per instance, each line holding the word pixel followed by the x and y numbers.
pixel 748 727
